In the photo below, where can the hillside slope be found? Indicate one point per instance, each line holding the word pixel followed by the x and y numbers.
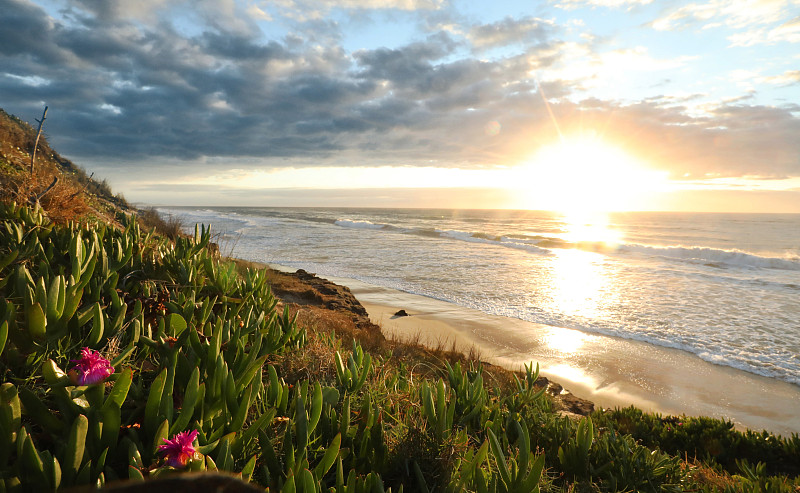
pixel 74 194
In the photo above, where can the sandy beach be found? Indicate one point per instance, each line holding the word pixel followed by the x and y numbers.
pixel 610 371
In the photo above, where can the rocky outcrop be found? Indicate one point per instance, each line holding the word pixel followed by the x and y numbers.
pixel 567 403
pixel 316 291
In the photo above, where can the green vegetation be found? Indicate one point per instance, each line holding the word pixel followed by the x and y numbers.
pixel 127 355
pixel 711 440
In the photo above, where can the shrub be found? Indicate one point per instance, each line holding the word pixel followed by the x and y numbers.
pixel 706 438
pixel 171 227
pixel 623 465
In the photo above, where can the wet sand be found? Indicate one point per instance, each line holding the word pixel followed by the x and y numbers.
pixel 610 371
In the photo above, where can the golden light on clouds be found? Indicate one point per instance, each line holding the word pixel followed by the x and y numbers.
pixel 342 177
pixel 582 175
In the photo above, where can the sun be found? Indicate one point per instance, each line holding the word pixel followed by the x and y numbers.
pixel 583 175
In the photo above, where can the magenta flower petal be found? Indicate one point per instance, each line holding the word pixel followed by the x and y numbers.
pixel 91 368
pixel 179 451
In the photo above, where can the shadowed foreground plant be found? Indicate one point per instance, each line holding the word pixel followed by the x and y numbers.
pixel 574 455
pixel 520 475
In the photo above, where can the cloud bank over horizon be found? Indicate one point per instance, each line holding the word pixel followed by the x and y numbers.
pixel 184 88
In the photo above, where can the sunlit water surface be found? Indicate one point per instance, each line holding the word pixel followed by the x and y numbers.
pixel 722 286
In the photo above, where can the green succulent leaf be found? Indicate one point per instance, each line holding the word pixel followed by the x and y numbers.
pixel 120 391
pixel 74 451
pixel 39 412
pixel 37 321
pixel 3 335
pixel 98 326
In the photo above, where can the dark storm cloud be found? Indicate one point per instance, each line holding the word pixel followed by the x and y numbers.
pixel 413 66
pixel 125 85
pixel 27 33
pixel 234 47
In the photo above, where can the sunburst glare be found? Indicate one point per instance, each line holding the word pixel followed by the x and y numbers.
pixel 584 174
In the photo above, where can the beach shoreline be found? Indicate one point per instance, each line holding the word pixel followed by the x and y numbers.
pixel 608 371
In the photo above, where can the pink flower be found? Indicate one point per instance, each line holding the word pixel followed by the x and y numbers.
pixel 90 369
pixel 179 451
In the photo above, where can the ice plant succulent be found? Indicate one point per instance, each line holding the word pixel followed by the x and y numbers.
pixel 180 450
pixel 90 369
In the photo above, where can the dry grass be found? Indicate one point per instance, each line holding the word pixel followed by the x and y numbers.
pixel 705 475
pixel 63 203
pixel 171 227
pixel 315 360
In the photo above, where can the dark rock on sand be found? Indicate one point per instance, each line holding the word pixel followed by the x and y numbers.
pixel 401 313
pixel 568 403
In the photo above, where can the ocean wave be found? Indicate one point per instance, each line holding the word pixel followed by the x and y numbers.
pixel 311 219
pixel 713 257
pixel 540 244
pixel 207 217
pixel 493 240
pixel 772 365
pixel 424 232
pixel 346 223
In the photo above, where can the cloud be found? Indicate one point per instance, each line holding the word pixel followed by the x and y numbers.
pixel 788 78
pixel 511 31
pixel 226 15
pixel 306 10
pixel 732 140
pixel 132 96
pixel 111 11
pixel 755 21
pixel 787 32
pixel 386 4
pixel 576 4
pixel 733 13
pixel 588 67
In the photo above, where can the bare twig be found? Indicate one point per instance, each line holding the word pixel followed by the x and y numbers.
pixel 85 186
pixel 36 143
pixel 35 200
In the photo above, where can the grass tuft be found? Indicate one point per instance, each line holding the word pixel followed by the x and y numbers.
pixel 171 227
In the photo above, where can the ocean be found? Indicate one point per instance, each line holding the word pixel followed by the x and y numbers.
pixel 724 287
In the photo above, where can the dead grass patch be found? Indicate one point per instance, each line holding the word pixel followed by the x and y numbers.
pixel 171 227
pixel 63 203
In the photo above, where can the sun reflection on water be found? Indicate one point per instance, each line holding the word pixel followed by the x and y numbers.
pixel 566 340
pixel 577 277
pixel 580 283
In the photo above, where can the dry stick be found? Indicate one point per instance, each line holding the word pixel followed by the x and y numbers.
pixel 85 186
pixel 36 144
pixel 35 200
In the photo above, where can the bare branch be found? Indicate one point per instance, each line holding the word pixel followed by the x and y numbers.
pixel 36 143
pixel 85 186
pixel 35 200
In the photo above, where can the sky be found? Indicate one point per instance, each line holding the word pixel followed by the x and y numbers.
pixel 551 104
